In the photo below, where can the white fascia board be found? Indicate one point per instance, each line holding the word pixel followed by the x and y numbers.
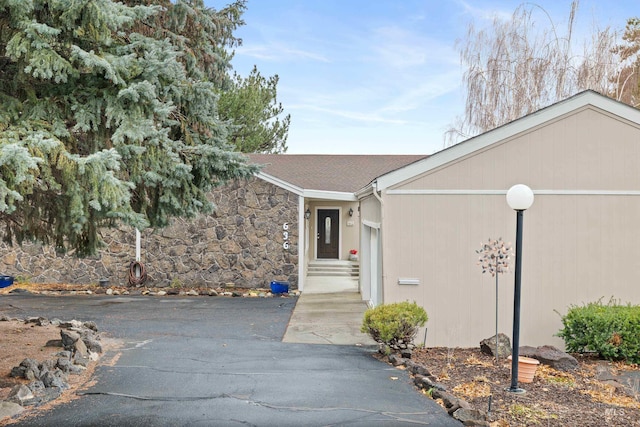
pixel 488 192
pixel 309 194
pixel 330 195
pixel 364 191
pixel 507 131
pixel 280 183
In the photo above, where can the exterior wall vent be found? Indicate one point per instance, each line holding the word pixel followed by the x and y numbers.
pixel 405 281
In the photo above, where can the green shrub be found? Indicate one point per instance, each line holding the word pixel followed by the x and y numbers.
pixel 611 330
pixel 393 324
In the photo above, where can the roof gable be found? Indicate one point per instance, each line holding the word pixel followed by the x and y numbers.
pixel 579 101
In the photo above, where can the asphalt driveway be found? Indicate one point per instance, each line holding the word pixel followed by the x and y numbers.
pixel 220 362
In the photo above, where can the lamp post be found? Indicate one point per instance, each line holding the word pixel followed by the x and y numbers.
pixel 519 198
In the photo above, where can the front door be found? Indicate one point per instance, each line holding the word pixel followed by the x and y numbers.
pixel 328 233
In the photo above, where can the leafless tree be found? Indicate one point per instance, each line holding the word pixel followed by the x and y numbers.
pixel 520 65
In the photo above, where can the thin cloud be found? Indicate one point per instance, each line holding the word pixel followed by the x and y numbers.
pixel 398 48
pixel 485 14
pixel 277 52
pixel 351 115
pixel 422 94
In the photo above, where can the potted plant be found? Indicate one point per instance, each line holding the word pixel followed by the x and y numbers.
pixel 353 255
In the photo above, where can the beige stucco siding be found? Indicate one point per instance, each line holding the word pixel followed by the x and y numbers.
pixel 585 150
pixel 577 247
pixel 370 209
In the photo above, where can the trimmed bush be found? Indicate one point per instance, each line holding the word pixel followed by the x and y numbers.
pixel 611 330
pixel 394 324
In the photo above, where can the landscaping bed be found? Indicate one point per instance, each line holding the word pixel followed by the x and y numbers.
pixel 91 289
pixel 597 393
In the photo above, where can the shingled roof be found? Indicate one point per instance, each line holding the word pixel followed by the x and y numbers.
pixel 329 172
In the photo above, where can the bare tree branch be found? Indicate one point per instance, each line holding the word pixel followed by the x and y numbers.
pixel 519 66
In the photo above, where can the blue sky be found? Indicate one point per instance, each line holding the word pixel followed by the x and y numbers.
pixel 377 76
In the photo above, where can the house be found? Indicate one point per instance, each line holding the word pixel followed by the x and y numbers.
pixel 416 222
pixel 262 230
pixel 421 224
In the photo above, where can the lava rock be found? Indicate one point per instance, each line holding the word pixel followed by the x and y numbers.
pixel 428 383
pixel 80 348
pixel 64 364
pixel 488 346
pixel 69 338
pixel 20 394
pixel 53 343
pixel 54 379
pixel 471 417
pixel 91 325
pixel 10 409
pixel 550 356
pixel 36 386
pixel 92 344
pixel 417 369
pixel 28 369
pixel 396 360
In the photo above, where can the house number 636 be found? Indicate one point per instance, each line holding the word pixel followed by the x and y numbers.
pixel 285 235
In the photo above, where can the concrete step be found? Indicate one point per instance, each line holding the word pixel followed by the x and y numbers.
pixel 350 269
pixel 334 263
pixel 332 274
pixel 333 268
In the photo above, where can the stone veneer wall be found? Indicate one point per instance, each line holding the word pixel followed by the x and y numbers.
pixel 240 243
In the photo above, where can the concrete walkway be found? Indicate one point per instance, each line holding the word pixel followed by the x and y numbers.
pixel 328 318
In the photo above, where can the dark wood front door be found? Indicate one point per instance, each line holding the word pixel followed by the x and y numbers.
pixel 328 233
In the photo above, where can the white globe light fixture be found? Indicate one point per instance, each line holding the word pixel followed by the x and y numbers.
pixel 519 198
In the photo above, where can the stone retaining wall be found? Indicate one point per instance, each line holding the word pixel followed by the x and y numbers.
pixel 240 243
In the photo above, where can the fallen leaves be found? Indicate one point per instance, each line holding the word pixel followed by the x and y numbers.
pixel 473 389
pixel 606 393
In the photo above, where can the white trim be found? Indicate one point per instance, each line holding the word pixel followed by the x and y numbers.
pixel 301 243
pixel 307 193
pixel 445 192
pixel 330 195
pixel 371 224
pixel 138 245
pixel 507 131
pixel 364 191
pixel 280 183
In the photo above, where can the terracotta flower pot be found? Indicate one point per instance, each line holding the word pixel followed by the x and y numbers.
pixel 526 368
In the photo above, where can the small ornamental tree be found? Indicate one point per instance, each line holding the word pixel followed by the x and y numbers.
pixel 394 324
pixel 494 259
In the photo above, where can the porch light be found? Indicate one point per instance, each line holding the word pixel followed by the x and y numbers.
pixel 519 198
pixel 350 211
pixel 307 214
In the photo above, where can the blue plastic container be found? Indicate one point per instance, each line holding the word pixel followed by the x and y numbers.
pixel 279 287
pixel 6 281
